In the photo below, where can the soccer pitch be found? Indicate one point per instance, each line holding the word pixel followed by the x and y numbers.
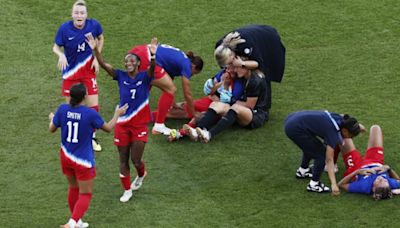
pixel 342 56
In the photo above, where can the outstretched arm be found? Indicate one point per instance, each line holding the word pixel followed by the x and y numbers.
pixel 52 127
pixel 119 111
pixel 344 183
pixel 93 45
pixel 153 50
pixel 62 60
pixel 187 93
pixel 330 166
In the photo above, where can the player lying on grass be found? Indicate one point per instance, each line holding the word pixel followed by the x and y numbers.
pixel 369 175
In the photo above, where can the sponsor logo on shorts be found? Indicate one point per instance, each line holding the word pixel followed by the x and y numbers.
pixel 380 152
pixel 142 134
pixel 116 140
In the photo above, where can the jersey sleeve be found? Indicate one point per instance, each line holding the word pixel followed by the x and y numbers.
pixel 59 37
pixel 394 184
pixel 187 70
pixel 97 29
pixel 253 88
pixel 117 75
pixel 97 121
pixel 57 118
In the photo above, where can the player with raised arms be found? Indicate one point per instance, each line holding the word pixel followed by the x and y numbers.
pixel 131 131
pixel 76 154
pixel 76 61
pixel 171 62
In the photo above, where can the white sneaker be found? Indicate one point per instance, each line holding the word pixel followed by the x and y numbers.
pixel 96 145
pixel 137 183
pixel 204 135
pixel 191 132
pixel 336 169
pixel 126 196
pixel 81 224
pixel 160 129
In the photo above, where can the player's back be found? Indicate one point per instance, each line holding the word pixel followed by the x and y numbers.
pixel 77 124
pixel 174 61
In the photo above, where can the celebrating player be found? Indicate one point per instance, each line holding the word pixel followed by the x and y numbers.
pixel 77 62
pixel 174 63
pixel 259 46
pixel 131 130
pixel 370 175
pixel 251 112
pixel 225 87
pixel 77 158
pixel 305 129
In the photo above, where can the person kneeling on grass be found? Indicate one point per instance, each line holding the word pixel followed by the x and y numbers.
pixel 251 112
pixel 369 174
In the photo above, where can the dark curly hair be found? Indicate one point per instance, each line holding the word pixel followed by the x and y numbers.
pixel 351 124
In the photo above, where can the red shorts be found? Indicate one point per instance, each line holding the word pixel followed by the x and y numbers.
pixel 353 160
pixel 70 168
pixel 124 134
pixel 200 105
pixel 144 54
pixel 90 83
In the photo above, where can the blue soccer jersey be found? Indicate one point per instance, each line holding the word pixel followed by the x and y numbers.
pixel 78 52
pixel 77 124
pixel 364 184
pixel 236 87
pixel 135 92
pixel 174 61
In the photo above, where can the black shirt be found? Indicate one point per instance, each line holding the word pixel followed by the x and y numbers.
pixel 255 87
pixel 263 44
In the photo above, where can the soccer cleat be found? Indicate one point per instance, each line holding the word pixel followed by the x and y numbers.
pixel 160 129
pixel 191 132
pixel 126 196
pixel 320 188
pixel 81 224
pixel 174 135
pixel 303 175
pixel 204 135
pixel 137 183
pixel 96 145
pixel 336 169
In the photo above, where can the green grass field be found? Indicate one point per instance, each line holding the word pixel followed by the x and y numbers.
pixel 341 55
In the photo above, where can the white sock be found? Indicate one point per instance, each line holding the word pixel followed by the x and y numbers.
pixel 159 125
pixel 313 183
